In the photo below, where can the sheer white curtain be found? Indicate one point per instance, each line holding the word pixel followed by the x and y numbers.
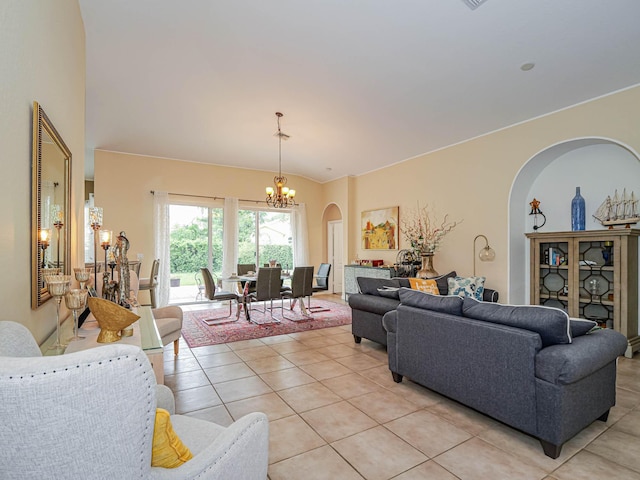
pixel 163 241
pixel 230 237
pixel 300 236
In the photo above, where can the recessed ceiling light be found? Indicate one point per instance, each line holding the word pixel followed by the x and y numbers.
pixel 473 4
pixel 525 67
pixel 329 169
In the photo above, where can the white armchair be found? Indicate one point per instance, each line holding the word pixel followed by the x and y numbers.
pixel 90 415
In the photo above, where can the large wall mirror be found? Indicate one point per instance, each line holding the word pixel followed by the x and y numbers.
pixel 50 205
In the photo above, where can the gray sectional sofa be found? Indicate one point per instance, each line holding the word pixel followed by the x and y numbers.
pixel 529 367
pixel 369 306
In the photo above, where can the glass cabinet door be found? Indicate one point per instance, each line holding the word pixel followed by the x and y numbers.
pixel 596 277
pixel 554 274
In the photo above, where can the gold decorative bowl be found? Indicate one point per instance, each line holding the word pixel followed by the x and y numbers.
pixel 111 317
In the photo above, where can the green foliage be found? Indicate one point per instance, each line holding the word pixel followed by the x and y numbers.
pixel 188 248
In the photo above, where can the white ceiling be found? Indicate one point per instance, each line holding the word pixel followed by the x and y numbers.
pixel 362 83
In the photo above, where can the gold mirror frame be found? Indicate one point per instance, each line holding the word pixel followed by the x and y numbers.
pixel 52 156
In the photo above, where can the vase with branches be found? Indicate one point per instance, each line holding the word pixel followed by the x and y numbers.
pixel 425 232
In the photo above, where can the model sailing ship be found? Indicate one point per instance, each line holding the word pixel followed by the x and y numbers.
pixel 618 210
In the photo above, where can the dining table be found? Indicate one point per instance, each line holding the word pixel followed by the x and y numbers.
pixel 244 292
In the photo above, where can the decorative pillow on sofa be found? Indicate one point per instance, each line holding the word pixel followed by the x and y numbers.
pixel 427 301
pixel 167 451
pixel 424 285
pixel 467 287
pixel 443 282
pixel 581 326
pixel 552 324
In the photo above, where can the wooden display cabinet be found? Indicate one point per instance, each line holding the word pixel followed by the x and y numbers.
pixel 589 274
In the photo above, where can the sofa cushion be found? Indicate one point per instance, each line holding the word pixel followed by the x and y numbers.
pixel 372 303
pixel 581 326
pixel 438 303
pixel 370 286
pixel 425 285
pixel 389 292
pixel 467 287
pixel 552 324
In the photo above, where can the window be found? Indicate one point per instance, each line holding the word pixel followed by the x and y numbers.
pixel 196 241
pixel 265 235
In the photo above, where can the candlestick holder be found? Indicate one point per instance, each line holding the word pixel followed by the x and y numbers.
pixel 58 285
pixel 76 299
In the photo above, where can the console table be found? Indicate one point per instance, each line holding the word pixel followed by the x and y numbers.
pixel 145 335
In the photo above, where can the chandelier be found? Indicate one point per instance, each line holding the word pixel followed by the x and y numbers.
pixel 281 196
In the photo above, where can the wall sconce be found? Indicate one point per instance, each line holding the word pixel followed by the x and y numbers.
pixel 487 254
pixel 45 235
pixel 535 211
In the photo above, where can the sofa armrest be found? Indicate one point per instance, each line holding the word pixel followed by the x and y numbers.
pixel 567 363
pixel 165 399
pixel 390 324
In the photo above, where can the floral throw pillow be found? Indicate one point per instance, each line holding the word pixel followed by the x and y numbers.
pixel 467 287
pixel 428 286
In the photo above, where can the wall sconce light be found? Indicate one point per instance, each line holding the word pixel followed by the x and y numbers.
pixel 45 235
pixel 535 211
pixel 487 254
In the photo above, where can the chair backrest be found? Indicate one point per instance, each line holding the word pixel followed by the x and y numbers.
pixel 155 267
pixel 72 405
pixel 302 282
pixel 322 279
pixel 268 283
pixel 244 268
pixel 209 284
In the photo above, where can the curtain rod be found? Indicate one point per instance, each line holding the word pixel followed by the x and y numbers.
pixel 153 192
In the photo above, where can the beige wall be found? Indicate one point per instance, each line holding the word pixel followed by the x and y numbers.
pixel 472 181
pixel 123 183
pixel 42 53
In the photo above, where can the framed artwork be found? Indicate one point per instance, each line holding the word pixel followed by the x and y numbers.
pixel 379 229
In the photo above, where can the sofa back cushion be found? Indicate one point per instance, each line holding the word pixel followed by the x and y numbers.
pixel 370 286
pixel 438 303
pixel 552 324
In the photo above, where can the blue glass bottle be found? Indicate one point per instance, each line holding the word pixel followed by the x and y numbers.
pixel 577 212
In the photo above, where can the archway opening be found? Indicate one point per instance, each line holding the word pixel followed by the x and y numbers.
pixel 598 165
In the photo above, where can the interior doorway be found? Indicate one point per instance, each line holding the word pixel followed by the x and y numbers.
pixel 334 255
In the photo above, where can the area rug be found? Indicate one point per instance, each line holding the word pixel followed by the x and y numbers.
pixel 198 334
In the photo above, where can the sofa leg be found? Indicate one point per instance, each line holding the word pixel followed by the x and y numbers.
pixel 604 416
pixel 357 338
pixel 396 377
pixel 550 450
pixel 176 346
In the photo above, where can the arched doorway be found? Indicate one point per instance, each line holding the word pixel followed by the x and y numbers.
pixel 597 165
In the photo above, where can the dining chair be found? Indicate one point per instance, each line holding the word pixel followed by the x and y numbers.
pixel 151 283
pixel 301 286
pixel 322 285
pixel 214 295
pixel 267 290
pixel 243 269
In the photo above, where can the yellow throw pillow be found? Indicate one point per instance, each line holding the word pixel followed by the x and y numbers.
pixel 428 286
pixel 168 450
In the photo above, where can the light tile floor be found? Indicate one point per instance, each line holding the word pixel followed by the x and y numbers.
pixel 335 413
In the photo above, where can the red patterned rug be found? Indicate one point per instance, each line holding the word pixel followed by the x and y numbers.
pixel 199 334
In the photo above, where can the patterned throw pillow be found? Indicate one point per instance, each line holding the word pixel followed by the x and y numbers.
pixel 428 286
pixel 467 287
